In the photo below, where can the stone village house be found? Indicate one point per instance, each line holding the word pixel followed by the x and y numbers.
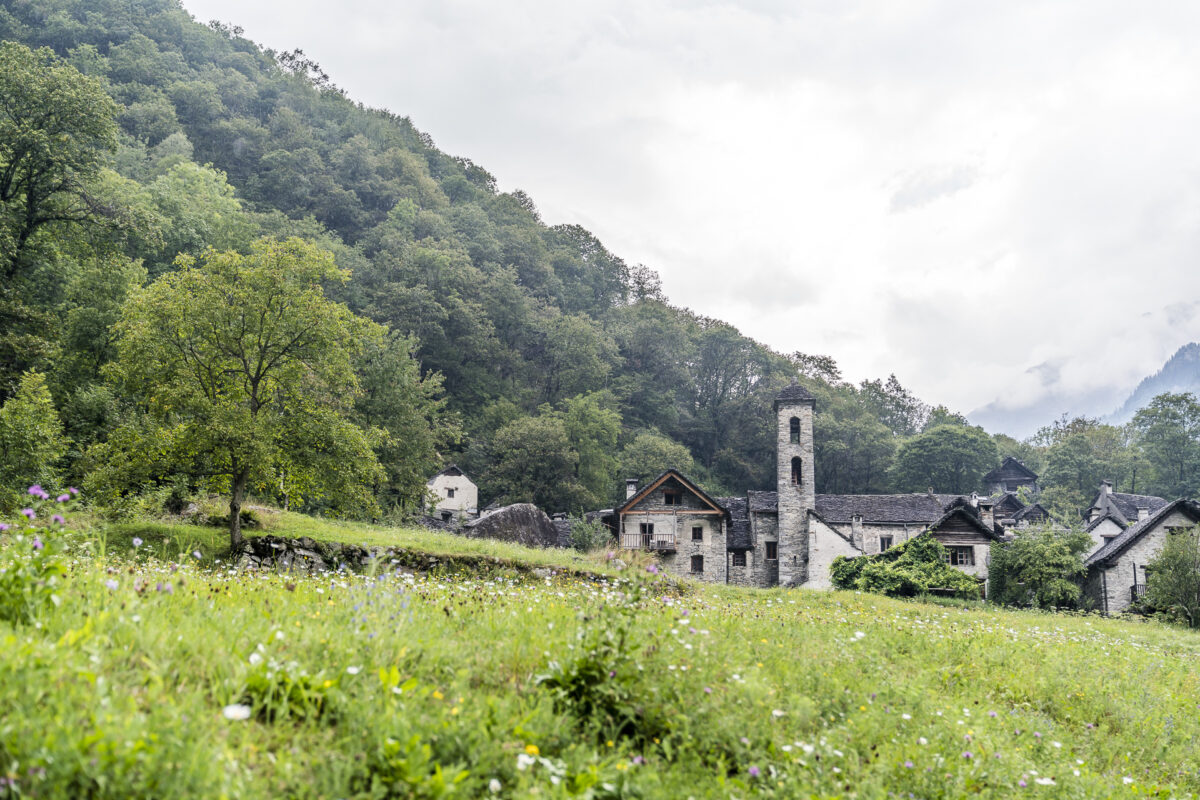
pixel 789 537
pixel 457 495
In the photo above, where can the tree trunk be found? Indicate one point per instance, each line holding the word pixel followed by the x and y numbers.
pixel 235 509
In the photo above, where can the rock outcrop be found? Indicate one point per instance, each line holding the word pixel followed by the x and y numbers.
pixel 521 523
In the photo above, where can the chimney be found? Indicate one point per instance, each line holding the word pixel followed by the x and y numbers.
pixel 975 499
pixel 630 487
pixel 1143 512
pixel 1106 487
pixel 985 512
pixel 856 531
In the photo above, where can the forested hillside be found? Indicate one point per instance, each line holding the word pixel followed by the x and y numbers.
pixel 141 145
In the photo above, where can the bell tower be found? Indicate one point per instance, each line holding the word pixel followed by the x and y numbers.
pixel 796 479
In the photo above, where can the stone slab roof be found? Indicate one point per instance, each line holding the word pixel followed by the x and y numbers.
pixel 921 508
pixel 738 533
pixel 1010 470
pixel 1128 504
pixel 1119 543
pixel 763 501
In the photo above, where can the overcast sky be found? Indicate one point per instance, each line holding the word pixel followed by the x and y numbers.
pixel 999 202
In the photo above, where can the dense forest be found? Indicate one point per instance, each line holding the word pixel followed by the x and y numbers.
pixel 156 172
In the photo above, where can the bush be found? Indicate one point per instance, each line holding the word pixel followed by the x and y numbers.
pixel 909 569
pixel 33 565
pixel 1040 567
pixel 1173 578
pixel 587 536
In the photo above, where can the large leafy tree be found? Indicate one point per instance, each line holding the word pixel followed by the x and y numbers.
pixel 948 458
pixel 1169 433
pixel 56 128
pixel 1042 566
pixel 245 372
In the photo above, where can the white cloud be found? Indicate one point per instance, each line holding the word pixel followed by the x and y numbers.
pixel 955 192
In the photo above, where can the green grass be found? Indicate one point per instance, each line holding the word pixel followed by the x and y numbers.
pixel 169 540
pixel 397 686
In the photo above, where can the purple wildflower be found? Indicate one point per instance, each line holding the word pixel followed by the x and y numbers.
pixel 111 584
pixel 72 490
pixel 4 526
pixel 908 765
pixel 639 760
pixel 62 498
pixel 754 771
pixel 28 513
pixel 137 542
pixel 37 543
pixel 708 690
pixel 1022 784
pixel 992 714
pixel 58 519
pixel 652 569
pixel 967 755
pixel 1037 735
pixel 37 491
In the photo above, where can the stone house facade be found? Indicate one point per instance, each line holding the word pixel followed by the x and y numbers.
pixel 455 493
pixel 789 537
pixel 1117 571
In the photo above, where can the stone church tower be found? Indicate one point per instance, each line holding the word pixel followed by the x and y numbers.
pixel 796 478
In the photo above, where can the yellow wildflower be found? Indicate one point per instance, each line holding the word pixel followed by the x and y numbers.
pixel 532 749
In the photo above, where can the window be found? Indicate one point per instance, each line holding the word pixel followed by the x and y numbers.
pixel 697 533
pixel 671 498
pixel 446 516
pixel 772 550
pixel 449 493
pixel 795 430
pixel 960 556
pixel 697 563
pixel 647 531
pixel 884 543
pixel 797 470
pixel 739 558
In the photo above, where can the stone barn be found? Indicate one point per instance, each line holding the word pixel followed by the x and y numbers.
pixel 455 493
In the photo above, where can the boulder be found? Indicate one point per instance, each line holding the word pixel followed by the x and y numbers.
pixel 521 523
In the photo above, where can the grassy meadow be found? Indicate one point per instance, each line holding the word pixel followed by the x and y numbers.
pixel 160 675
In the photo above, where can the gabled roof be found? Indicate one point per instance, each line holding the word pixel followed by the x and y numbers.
pixel 1010 470
pixel 1121 542
pixel 1007 501
pixel 795 393
pixel 918 508
pixel 452 471
pixel 962 508
pixel 654 484
pixel 1034 513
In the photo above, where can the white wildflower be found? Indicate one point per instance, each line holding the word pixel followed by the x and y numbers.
pixel 236 711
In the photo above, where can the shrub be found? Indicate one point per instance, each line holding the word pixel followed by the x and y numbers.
pixel 284 691
pixel 1173 578
pixel 1040 567
pixel 587 536
pixel 909 569
pixel 601 686
pixel 33 565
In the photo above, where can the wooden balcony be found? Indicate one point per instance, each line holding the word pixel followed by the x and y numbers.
pixel 658 542
pixel 1137 593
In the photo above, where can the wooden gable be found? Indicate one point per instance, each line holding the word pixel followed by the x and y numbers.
pixel 670 493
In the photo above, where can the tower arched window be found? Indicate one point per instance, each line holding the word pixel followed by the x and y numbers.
pixel 795 430
pixel 797 471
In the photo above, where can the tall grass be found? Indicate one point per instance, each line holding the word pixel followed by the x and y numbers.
pixel 164 678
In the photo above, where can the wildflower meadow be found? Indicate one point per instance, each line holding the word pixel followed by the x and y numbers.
pixel 135 667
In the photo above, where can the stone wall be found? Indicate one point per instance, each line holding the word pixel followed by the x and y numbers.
pixel 712 545
pixel 1120 577
pixel 825 544
pixel 1107 528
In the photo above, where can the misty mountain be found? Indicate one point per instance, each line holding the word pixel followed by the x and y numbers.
pixel 1181 373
